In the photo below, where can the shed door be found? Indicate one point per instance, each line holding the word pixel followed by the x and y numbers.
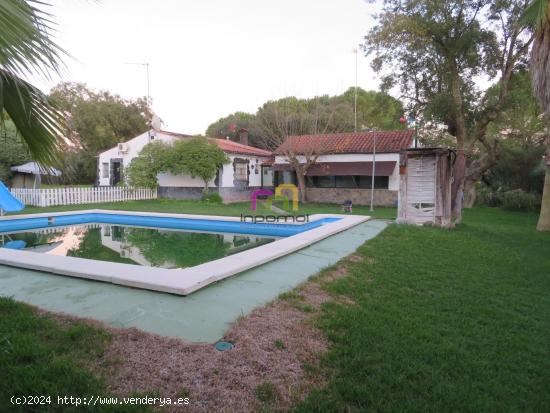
pixel 421 189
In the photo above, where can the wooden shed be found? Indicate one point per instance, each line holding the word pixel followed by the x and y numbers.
pixel 425 178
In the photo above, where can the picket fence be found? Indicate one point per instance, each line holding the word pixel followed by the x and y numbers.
pixel 75 195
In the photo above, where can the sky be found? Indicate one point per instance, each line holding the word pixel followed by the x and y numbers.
pixel 210 58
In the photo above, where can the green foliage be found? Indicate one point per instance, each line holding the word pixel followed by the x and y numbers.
pixel 26 48
pixel 230 125
pixel 279 345
pixel 196 157
pixel 266 393
pixel 519 166
pixel 92 248
pixel 433 50
pixel 41 356
pixel 212 198
pixel 180 249
pixel 153 159
pixel 521 201
pixel 375 110
pixel 96 121
pixel 14 151
pixel 277 119
pixel 536 15
pixel 516 200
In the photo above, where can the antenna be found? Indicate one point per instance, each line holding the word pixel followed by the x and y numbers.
pixel 146 64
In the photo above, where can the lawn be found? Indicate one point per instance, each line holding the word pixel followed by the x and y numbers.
pixel 40 356
pixel 443 321
pixel 436 321
pixel 201 207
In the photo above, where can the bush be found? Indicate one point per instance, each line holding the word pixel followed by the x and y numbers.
pixel 521 201
pixel 211 197
pixel 516 200
pixel 488 198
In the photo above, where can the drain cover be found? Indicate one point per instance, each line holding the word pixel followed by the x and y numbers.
pixel 223 345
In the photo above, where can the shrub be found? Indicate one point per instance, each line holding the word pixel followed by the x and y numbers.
pixel 521 201
pixel 212 197
pixel 487 197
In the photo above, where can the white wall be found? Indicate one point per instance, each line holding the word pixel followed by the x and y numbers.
pixel 254 179
pixel 136 144
pixel 393 184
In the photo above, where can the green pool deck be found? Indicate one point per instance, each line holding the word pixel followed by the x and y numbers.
pixel 203 316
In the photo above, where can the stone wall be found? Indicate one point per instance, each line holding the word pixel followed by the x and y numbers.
pixel 228 194
pixel 382 197
pixel 237 194
pixel 179 192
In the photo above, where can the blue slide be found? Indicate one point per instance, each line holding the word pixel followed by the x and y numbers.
pixel 8 202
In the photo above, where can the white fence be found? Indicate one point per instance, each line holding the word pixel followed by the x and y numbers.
pixel 75 195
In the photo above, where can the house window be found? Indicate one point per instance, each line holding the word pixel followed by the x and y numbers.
pixel 380 182
pixel 241 171
pixel 347 181
pixel 105 170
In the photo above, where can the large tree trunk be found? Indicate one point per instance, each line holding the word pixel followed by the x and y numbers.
pixel 540 66
pixel 544 218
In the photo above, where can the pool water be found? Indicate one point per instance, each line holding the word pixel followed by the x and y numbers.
pixel 133 245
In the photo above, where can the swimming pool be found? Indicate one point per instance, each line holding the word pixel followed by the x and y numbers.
pixel 266 242
pixel 152 247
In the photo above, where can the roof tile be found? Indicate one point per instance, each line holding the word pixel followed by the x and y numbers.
pixel 355 142
pixel 229 146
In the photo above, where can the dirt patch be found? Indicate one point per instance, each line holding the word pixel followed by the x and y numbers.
pixel 276 350
pixel 356 258
pixel 275 361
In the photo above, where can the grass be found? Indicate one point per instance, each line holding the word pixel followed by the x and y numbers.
pixel 40 356
pixel 443 321
pixel 201 207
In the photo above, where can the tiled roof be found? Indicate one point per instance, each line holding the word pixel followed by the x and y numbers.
pixel 359 142
pixel 229 146
pixel 175 134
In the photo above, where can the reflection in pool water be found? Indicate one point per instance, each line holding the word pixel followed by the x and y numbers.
pixel 132 245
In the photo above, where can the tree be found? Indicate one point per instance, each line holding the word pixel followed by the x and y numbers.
pixel 375 110
pixel 520 130
pixel 269 126
pixel 144 168
pixel 278 121
pixel 537 17
pixel 96 121
pixel 196 157
pixel 26 48
pixel 433 51
pixel 230 125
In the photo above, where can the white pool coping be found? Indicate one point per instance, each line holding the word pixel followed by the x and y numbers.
pixel 175 281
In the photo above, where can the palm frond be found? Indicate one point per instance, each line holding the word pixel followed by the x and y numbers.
pixel 535 15
pixel 40 124
pixel 26 47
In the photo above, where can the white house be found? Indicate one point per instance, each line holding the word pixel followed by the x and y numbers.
pixel 344 165
pixel 234 181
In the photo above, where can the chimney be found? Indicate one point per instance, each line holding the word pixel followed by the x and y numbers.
pixel 243 136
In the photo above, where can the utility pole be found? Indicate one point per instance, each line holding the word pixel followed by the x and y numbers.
pixel 373 171
pixel 355 97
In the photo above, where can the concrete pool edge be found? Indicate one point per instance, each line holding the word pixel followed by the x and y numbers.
pixel 174 281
